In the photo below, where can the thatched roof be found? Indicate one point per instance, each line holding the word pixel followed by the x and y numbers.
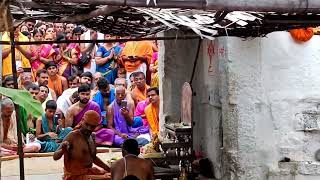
pixel 139 22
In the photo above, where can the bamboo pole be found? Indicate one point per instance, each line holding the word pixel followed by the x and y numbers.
pixel 14 73
pixel 226 5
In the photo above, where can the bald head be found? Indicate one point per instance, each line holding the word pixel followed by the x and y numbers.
pixel 120 94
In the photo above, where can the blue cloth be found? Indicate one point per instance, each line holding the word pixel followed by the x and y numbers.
pixel 98 98
pixel 48 144
pixel 109 73
pixel 137 122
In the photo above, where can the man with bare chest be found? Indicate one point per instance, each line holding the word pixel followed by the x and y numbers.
pixel 131 164
pixel 79 151
pixel 104 97
pixel 76 111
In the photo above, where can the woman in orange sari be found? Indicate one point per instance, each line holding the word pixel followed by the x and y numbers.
pixel 41 54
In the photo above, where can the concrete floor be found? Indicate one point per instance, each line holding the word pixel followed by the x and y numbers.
pixel 40 168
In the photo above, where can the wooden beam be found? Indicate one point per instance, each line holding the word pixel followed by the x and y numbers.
pixel 105 10
pixel 223 5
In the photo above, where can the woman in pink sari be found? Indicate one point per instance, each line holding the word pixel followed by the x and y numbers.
pixel 41 54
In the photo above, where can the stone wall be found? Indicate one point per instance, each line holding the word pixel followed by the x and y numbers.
pixel 272 93
pixel 175 67
pixel 257 103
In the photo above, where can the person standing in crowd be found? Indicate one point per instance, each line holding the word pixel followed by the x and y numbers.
pixel 89 49
pixel 139 93
pixel 56 82
pixel 69 27
pixel 22 53
pixel 58 28
pixel 152 110
pixel 80 152
pixel 40 54
pixel 48 130
pixel 131 164
pixel 68 56
pixel 120 119
pixel 30 23
pixel 136 56
pixel 76 112
pixel 106 59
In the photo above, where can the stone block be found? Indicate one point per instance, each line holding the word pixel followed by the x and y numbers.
pixel 308 120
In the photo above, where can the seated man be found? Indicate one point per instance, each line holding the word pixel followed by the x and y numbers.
pixel 56 82
pixel 80 152
pixel 43 95
pixel 120 119
pixel 76 111
pixel 48 131
pixel 73 81
pixel 33 90
pixel 65 101
pixel 131 164
pixel 104 96
pixel 139 93
pixel 42 79
pixel 8 127
pixel 152 110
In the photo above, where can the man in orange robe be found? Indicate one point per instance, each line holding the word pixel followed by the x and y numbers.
pixel 56 82
pixel 136 56
pixel 152 110
pixel 139 93
pixel 80 152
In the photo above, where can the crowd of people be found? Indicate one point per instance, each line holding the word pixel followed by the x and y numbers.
pixel 118 81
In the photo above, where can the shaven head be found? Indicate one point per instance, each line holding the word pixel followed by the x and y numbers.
pixel 120 92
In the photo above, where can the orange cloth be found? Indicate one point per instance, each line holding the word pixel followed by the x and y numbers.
pixel 152 114
pixel 20 58
pixel 136 48
pixel 303 35
pixel 92 117
pixel 56 85
pixel 138 95
pixel 82 174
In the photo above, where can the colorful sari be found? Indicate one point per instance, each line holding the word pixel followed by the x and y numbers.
pixel 65 67
pixel 45 51
pixel 108 69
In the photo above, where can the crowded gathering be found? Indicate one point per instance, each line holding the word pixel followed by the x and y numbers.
pixel 75 82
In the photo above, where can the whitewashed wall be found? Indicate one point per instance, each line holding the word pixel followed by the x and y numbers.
pixel 249 106
pixel 268 83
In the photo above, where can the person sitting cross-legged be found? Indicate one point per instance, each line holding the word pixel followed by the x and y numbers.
pixel 131 164
pixel 80 152
pixel 120 119
pixel 8 131
pixel 48 131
